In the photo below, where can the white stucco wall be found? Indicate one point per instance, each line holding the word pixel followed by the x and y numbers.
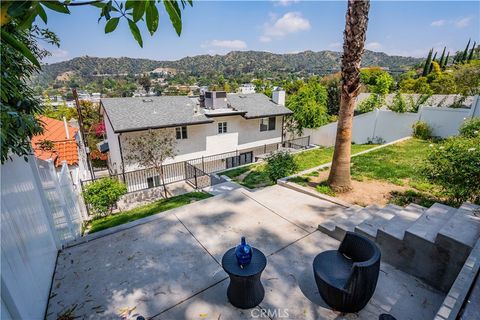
pixel 114 153
pixel 204 139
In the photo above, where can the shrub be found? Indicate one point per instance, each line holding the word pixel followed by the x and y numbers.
pixel 470 128
pixel 371 103
pixel 455 166
pixel 280 164
pixel 398 104
pixel 102 194
pixel 422 130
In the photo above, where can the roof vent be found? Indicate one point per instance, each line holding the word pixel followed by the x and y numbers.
pixel 147 100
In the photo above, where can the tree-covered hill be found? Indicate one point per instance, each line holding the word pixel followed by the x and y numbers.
pixel 235 63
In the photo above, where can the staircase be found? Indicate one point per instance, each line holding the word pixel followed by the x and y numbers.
pixel 429 243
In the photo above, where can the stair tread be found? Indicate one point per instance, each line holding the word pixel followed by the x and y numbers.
pixel 402 221
pixel 431 221
pixel 331 223
pixel 470 206
pixel 378 220
pixel 349 223
pixel 463 227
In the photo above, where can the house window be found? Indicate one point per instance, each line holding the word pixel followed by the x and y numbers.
pixel 267 124
pixel 181 132
pixel 153 181
pixel 222 127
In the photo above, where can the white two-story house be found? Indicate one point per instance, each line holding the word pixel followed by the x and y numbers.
pixel 213 123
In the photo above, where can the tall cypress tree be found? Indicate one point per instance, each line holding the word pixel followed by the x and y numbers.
pixel 465 53
pixel 431 64
pixel 428 62
pixel 442 57
pixel 446 61
pixel 470 56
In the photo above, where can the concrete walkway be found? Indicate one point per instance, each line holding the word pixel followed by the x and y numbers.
pixel 168 267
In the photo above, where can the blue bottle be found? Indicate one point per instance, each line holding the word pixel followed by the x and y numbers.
pixel 243 252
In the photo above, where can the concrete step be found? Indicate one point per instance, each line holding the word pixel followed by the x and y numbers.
pixel 475 209
pixel 329 227
pixel 377 220
pixel 463 228
pixel 430 222
pixel 344 224
pixel 395 228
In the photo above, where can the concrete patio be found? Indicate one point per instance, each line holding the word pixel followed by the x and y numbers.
pixel 167 266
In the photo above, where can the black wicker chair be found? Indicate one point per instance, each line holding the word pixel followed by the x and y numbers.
pixel 347 277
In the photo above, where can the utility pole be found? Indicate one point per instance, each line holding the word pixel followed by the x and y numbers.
pixel 82 132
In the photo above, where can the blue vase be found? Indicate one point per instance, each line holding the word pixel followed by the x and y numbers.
pixel 243 252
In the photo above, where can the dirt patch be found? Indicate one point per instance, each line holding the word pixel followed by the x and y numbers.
pixel 364 192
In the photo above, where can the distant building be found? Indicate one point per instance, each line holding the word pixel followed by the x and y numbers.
pixel 247 88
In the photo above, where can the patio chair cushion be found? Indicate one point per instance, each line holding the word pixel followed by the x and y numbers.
pixel 333 267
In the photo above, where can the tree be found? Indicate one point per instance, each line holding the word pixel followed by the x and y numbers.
pixel 426 67
pixel 20 55
pixel 145 82
pixel 431 63
pixel 333 85
pixel 309 106
pixel 465 53
pixel 470 56
pixel 353 47
pixel 151 149
pixel 442 57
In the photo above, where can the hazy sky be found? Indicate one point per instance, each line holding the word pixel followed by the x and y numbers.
pixel 217 27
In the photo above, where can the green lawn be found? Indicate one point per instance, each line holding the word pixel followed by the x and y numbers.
pixel 257 176
pixel 400 164
pixel 145 211
pixel 394 163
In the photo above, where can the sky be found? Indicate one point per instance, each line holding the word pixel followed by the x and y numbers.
pixel 284 26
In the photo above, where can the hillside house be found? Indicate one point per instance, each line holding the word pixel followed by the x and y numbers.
pixel 213 123
pixel 61 142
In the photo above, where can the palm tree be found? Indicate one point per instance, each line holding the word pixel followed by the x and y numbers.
pixel 353 48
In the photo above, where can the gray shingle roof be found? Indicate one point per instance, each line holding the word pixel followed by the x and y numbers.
pixel 141 113
pixel 256 105
pixel 130 114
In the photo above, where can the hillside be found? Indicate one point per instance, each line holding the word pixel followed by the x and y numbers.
pixel 256 63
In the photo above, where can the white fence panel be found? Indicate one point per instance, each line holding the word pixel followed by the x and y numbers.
pixel 323 136
pixel 28 246
pixel 444 121
pixel 363 127
pixel 391 126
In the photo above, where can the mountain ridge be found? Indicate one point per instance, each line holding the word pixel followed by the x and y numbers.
pixel 234 63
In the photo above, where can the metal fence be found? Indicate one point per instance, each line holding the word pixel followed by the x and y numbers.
pixel 198 172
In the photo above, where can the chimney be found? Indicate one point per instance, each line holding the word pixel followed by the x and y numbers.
pixel 278 96
pixel 216 100
pixel 67 133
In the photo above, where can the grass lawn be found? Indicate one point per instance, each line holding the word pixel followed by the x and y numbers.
pixel 399 164
pixel 254 176
pixel 145 211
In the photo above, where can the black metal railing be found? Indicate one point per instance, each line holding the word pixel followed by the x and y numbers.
pixel 198 172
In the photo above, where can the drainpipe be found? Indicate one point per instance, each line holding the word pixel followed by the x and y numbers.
pixel 121 157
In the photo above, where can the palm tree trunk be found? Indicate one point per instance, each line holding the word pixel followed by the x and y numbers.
pixel 353 48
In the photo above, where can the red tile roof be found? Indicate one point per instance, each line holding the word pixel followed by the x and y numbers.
pixel 63 148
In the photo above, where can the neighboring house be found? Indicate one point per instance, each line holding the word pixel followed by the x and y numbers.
pixel 60 142
pixel 247 88
pixel 213 123
pixel 435 100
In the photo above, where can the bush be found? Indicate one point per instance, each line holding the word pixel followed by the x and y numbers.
pixel 455 166
pixel 422 130
pixel 102 194
pixel 470 128
pixel 280 164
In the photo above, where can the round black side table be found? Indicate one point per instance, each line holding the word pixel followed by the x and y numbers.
pixel 245 290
